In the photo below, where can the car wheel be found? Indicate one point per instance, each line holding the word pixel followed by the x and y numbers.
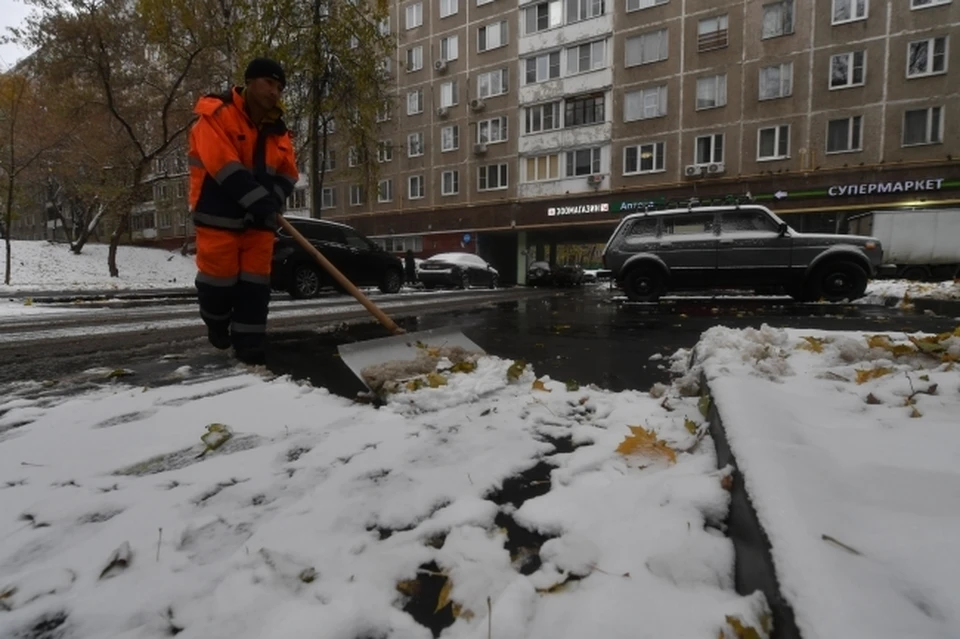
pixel 306 282
pixel 838 281
pixel 917 273
pixel 644 284
pixel 463 280
pixel 494 281
pixel 392 282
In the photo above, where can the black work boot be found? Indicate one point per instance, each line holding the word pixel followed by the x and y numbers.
pixel 219 337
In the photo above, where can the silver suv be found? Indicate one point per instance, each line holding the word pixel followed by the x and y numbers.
pixel 735 247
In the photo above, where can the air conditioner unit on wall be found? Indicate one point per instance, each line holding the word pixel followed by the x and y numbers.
pixel 442 112
pixel 716 167
pixel 692 170
pixel 594 179
pixel 440 65
pixel 477 104
pixel 479 149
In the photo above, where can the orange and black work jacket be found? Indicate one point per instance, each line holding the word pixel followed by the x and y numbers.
pixel 240 176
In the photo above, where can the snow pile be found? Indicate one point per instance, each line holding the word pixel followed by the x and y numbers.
pixel 878 291
pixel 45 266
pixel 493 504
pixel 849 445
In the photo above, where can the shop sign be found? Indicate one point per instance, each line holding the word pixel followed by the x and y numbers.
pixel 556 211
pixel 902 186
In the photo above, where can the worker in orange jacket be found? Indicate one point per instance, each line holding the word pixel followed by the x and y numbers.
pixel 242 169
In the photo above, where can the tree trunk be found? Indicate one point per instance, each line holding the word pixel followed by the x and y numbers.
pixel 8 225
pixel 314 119
pixel 122 225
pixel 88 229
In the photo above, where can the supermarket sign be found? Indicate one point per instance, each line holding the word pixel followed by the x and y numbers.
pixel 903 186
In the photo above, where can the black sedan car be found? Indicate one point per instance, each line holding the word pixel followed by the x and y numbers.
pixel 459 270
pixel 546 274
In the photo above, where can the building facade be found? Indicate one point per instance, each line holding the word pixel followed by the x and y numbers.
pixel 526 131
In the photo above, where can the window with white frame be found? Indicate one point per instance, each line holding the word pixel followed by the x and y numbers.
pixel 384 151
pixel 449 95
pixel 848 69
pixel 776 81
pixel 927 57
pixel 583 162
pixel 712 91
pixel 586 57
pixel 297 199
pixel 777 19
pixel 385 190
pixel 415 144
pixel 384 112
pixel 646 48
pixel 164 220
pixel 645 103
pixel 415 102
pixel 492 177
pixel 773 143
pixel 450 182
pixel 386 63
pixel 480 3
pixel 414 15
pixel 923 4
pixel 492 83
pixel 328 197
pixel 542 167
pixel 542 67
pixel 450 138
pixel 383 27
pixel 416 187
pixel 923 126
pixel 713 33
pixel 414 58
pixel 578 10
pixel 542 16
pixel 159 192
pixel 543 117
pixel 492 36
pixel 449 8
pixel 636 5
pixel 643 158
pixel 845 135
pixel 583 110
pixel 353 157
pixel 709 149
pixel 357 195
pixel 182 191
pixel 328 160
pixel 849 10
pixel 492 131
pixel 450 47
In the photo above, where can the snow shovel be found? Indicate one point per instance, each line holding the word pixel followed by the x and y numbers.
pixel 401 346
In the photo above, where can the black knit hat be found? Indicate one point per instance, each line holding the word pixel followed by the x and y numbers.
pixel 265 68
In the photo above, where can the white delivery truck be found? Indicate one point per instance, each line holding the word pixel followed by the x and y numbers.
pixel 918 244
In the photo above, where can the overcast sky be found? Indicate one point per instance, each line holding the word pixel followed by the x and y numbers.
pixel 12 14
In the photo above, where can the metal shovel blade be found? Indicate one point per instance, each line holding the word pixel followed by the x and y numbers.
pixel 401 348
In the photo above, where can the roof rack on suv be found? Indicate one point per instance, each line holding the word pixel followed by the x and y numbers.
pixel 664 204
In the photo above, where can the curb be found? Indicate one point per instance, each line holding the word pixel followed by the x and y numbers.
pixel 948 308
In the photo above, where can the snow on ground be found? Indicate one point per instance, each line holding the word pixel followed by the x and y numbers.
pixel 511 507
pixel 850 448
pixel 45 266
pixel 878 291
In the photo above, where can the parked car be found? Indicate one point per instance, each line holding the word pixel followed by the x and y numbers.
pixel 547 274
pixel 459 270
pixel 735 247
pixel 919 244
pixel 358 258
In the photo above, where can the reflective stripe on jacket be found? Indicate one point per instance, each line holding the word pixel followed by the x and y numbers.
pixel 236 169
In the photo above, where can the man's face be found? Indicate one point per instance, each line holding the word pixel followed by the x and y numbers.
pixel 264 92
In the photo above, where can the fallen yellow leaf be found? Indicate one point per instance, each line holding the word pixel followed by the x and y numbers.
pixel 643 441
pixel 812 344
pixel 691 426
pixel 865 375
pixel 444 599
pixel 539 385
pixel 436 380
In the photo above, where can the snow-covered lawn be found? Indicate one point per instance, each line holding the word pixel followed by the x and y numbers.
pixel 878 291
pixel 486 501
pixel 850 448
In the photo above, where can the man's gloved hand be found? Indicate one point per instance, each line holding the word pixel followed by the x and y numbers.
pixel 259 220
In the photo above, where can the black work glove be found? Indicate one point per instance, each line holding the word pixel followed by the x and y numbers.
pixel 259 220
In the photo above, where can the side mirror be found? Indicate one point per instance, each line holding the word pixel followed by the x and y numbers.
pixel 782 229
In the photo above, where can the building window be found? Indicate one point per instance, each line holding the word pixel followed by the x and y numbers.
pixel 773 143
pixel 492 177
pixel 583 162
pixel 353 157
pixel 777 19
pixel 848 69
pixel 414 59
pixel 578 10
pixel 923 4
pixel 415 187
pixel 645 103
pixel 480 3
pixel 383 27
pixel 844 136
pixel 159 192
pixel 776 81
pixel 712 92
pixel 385 191
pixel 449 95
pixel 328 197
pixel 449 8
pixel 586 57
pixel 712 33
pixel 450 138
pixel 492 83
pixel 415 102
pixel 927 57
pixel 181 190
pixel 636 5
pixel 709 149
pixel 647 48
pixel 492 131
pixel 414 15
pixel 492 36
pixel 923 126
pixel 542 16
pixel 542 68
pixel 415 144
pixel 643 158
pixel 849 10
pixel 585 110
pixel 297 199
pixel 450 182
pixel 328 160
pixel 164 220
pixel 383 113
pixel 543 117
pixel 450 47
pixel 384 151
pixel 330 126
pixel 543 167
pixel 357 195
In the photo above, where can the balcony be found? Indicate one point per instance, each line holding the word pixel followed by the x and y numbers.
pixel 566 35
pixel 713 40
pixel 599 80
pixel 590 134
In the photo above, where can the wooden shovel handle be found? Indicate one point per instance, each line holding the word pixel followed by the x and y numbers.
pixel 382 317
